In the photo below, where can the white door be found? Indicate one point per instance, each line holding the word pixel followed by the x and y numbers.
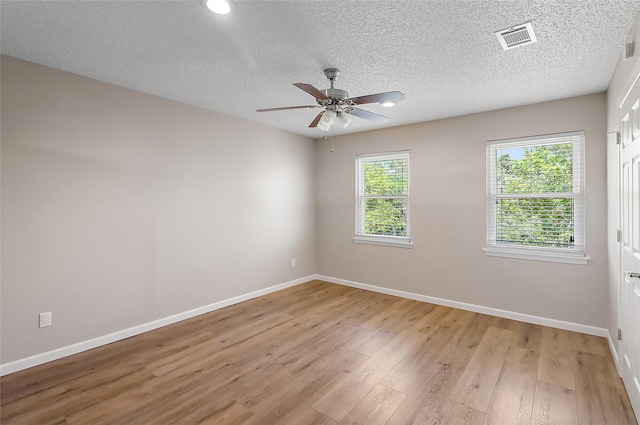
pixel 630 252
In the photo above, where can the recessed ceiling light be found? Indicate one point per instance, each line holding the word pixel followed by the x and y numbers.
pixel 221 7
pixel 388 104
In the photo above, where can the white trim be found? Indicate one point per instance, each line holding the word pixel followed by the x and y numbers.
pixel 614 351
pixel 574 255
pixel 528 255
pixel 59 353
pixel 385 156
pixel 361 197
pixel 79 347
pixel 549 139
pixel 536 320
pixel 628 86
pixel 384 241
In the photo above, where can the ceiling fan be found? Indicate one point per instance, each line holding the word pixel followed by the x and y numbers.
pixel 337 104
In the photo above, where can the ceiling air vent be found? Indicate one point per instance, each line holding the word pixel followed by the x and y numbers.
pixel 516 36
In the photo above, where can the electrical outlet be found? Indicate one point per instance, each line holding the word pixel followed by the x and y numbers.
pixel 293 262
pixel 45 319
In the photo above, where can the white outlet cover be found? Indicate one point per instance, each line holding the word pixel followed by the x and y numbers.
pixel 45 319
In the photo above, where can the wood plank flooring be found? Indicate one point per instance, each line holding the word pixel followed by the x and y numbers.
pixel 324 354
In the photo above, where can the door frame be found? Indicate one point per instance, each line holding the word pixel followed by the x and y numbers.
pixel 618 275
pixel 615 342
pixel 632 79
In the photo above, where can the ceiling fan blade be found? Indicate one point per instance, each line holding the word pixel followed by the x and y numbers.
pixel 311 90
pixel 316 120
pixel 287 107
pixel 390 96
pixel 367 115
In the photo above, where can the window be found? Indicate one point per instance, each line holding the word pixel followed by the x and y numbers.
pixel 382 199
pixel 535 198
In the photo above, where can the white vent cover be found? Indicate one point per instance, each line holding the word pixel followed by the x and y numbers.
pixel 516 36
pixel 629 50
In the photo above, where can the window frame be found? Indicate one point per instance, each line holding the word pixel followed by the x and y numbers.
pixel 360 198
pixel 574 255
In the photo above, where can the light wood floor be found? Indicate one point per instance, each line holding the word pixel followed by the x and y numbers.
pixel 325 354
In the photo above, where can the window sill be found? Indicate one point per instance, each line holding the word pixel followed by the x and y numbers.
pixel 536 256
pixel 384 241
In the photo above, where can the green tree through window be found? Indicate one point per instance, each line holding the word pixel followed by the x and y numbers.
pixel 546 220
pixel 535 197
pixel 386 188
pixel 382 196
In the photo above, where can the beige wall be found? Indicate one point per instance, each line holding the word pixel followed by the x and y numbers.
pixel 448 215
pixel 617 87
pixel 120 208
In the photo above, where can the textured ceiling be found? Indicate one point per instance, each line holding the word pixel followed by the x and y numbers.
pixel 441 53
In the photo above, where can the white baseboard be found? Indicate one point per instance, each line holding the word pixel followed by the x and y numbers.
pixel 59 353
pixel 69 350
pixel 559 324
pixel 614 351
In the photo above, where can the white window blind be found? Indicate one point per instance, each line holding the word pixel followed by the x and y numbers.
pixel 382 199
pixel 535 197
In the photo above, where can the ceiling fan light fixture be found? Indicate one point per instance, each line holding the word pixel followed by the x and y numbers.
pixel 326 121
pixel 344 119
pixel 388 104
pixel 221 7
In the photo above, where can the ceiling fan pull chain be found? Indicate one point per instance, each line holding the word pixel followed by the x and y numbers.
pixel 325 138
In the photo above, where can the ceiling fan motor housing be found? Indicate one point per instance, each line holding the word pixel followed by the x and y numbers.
pixel 335 95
